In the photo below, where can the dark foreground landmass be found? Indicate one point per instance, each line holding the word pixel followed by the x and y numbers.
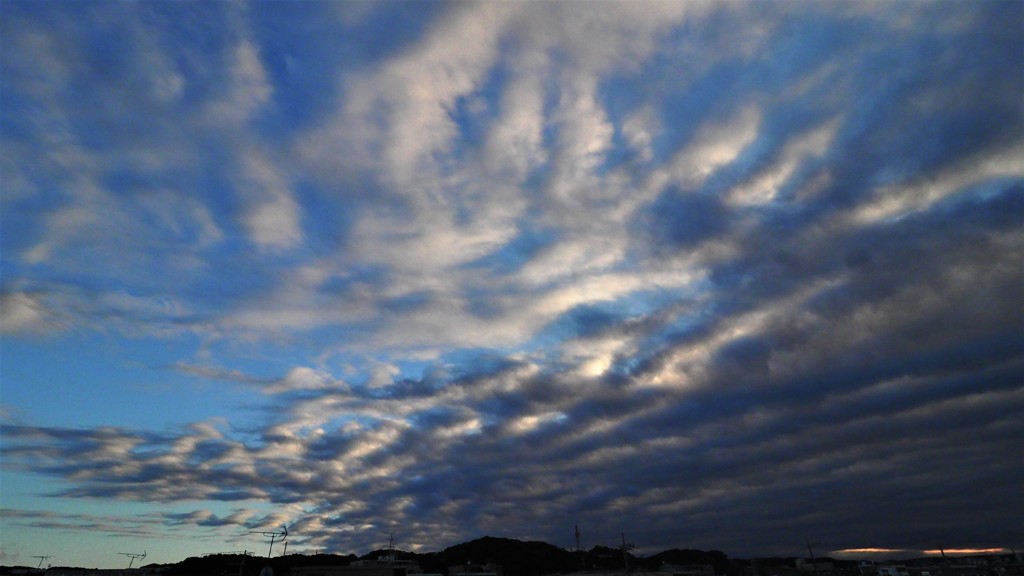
pixel 514 557
pixel 490 556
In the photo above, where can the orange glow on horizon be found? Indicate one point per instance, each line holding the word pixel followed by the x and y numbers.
pixel 966 551
pixel 868 550
pixel 936 551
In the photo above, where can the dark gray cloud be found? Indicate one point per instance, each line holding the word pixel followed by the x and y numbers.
pixel 679 221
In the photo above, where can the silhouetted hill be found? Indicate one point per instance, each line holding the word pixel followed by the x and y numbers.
pixel 517 558
pixel 232 564
pixel 688 557
pixel 381 552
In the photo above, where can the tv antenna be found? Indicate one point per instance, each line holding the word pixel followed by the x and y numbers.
pixel 274 536
pixel 41 558
pixel 133 557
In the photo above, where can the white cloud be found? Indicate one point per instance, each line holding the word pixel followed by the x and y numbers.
pixel 272 216
pixel 247 89
pixel 532 422
pixel 275 222
pixel 907 197
pixel 763 187
pixel 23 312
pixel 584 136
pixel 688 366
pixel 715 145
pixel 305 378
pixel 515 140
pixel 398 123
pixel 639 130
pixel 414 95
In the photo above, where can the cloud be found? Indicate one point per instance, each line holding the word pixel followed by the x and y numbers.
pixel 21 312
pixel 217 373
pixel 119 526
pixel 273 218
pixel 683 220
pixel 755 269
pixel 298 379
pixel 247 87
pixel 474 434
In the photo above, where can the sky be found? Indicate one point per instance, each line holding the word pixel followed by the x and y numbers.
pixel 725 275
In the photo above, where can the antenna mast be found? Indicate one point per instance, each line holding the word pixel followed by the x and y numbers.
pixel 810 550
pixel 579 550
pixel 133 557
pixel 625 552
pixel 41 558
pixel 279 535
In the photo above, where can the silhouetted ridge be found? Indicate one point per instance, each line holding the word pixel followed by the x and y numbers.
pixel 675 556
pixel 517 558
pixel 514 557
pixel 232 564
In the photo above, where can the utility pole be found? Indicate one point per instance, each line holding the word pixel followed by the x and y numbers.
pixel 41 558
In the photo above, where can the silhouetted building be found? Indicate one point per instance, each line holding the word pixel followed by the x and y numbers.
pixel 382 566
pixel 892 570
pixel 475 570
pixel 817 565
pixel 688 569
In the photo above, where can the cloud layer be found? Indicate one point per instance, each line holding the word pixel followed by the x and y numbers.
pixel 712 274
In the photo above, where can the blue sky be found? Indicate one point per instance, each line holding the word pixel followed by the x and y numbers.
pixel 716 275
